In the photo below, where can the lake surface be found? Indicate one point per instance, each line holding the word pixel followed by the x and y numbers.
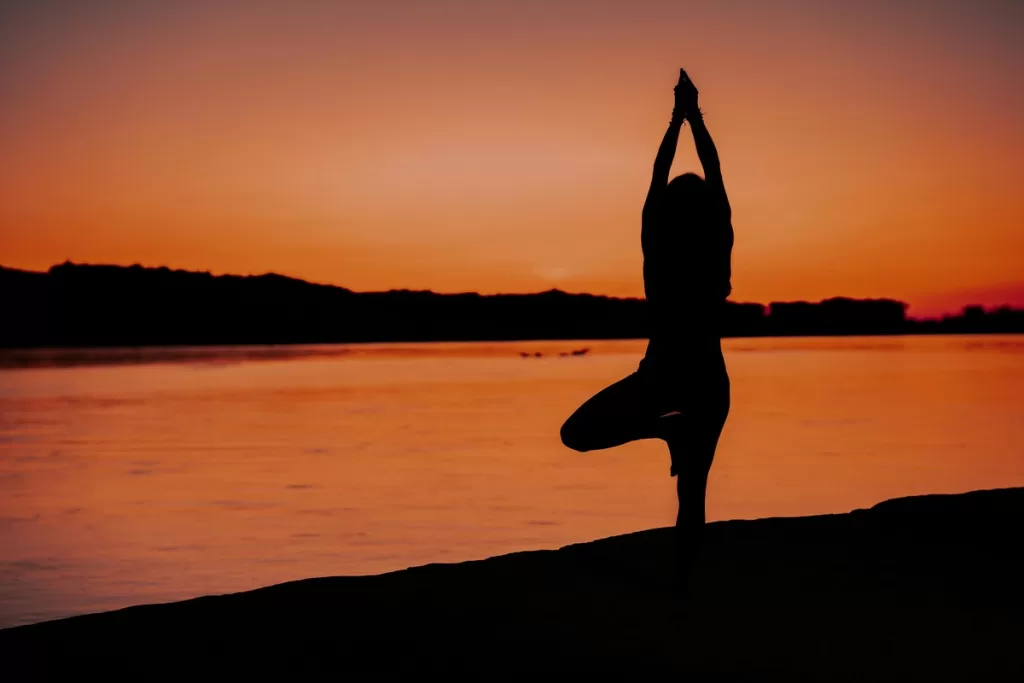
pixel 138 476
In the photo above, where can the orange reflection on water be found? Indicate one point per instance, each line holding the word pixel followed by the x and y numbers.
pixel 211 471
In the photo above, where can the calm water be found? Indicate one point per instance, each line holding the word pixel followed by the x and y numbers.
pixel 131 477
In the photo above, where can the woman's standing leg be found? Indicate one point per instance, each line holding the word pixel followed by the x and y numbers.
pixel 692 442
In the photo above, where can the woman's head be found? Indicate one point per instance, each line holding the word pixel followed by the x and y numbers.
pixel 685 189
pixel 686 230
pixel 684 203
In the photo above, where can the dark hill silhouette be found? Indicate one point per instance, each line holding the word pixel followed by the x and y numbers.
pixel 923 588
pixel 95 305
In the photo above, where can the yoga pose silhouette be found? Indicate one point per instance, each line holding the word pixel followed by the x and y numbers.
pixel 680 392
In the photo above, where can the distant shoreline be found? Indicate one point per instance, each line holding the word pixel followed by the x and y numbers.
pixel 93 306
pixel 426 342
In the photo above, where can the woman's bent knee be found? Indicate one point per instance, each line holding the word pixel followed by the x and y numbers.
pixel 572 438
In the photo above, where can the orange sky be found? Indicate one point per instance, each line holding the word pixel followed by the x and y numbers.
pixel 867 150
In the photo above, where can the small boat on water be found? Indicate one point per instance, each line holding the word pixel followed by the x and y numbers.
pixel 562 354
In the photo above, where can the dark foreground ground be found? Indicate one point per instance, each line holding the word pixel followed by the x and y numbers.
pixel 916 588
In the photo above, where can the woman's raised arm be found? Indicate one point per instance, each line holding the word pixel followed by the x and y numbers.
pixel 706 150
pixel 667 150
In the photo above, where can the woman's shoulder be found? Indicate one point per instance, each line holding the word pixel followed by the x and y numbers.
pixel 652 207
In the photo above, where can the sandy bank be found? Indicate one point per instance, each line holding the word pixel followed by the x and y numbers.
pixel 924 587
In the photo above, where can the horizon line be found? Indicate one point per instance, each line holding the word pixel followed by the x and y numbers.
pixel 140 266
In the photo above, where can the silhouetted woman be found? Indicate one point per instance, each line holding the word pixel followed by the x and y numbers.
pixel 680 392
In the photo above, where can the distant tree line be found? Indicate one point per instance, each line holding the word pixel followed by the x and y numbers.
pixel 84 305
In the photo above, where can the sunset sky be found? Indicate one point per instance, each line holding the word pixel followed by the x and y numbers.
pixel 869 148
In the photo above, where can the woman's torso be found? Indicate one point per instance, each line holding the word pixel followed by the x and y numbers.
pixel 687 272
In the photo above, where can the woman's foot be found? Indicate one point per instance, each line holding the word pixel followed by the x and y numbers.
pixel 682 570
pixel 668 427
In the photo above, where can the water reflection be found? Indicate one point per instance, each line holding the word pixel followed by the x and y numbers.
pixel 190 471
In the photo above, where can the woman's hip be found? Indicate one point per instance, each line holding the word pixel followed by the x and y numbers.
pixel 689 391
